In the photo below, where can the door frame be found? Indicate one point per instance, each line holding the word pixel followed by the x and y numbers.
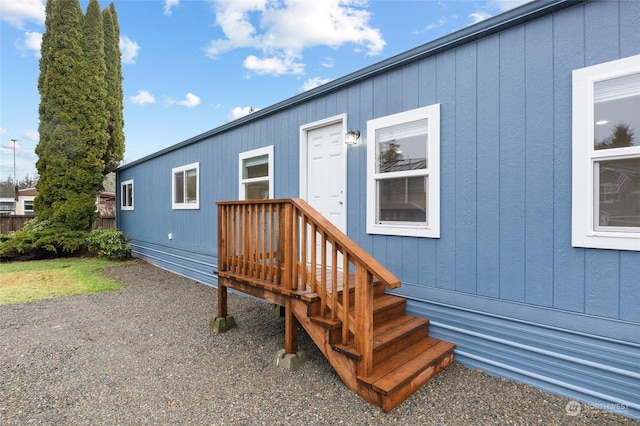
pixel 304 131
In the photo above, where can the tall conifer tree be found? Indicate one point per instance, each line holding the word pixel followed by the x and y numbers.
pixel 60 144
pixel 76 114
pixel 115 125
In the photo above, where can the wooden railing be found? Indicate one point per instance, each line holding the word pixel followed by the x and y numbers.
pixel 287 243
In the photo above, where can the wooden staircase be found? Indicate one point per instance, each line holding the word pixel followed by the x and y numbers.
pixel 269 249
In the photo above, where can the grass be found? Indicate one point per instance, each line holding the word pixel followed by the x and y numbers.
pixel 22 282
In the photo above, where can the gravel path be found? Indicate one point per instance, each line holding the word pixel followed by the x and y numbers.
pixel 145 355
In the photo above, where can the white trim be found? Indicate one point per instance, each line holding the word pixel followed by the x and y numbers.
pixel 268 151
pixel 123 193
pixel 304 129
pixel 184 205
pixel 432 227
pixel 585 156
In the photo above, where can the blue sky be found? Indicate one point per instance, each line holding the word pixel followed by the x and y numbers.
pixel 192 65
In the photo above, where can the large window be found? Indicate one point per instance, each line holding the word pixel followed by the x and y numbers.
pixel 256 174
pixel 606 155
pixel 186 187
pixel 403 173
pixel 126 195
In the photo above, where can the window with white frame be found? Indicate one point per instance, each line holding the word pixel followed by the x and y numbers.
pixel 27 206
pixel 256 174
pixel 186 187
pixel 126 195
pixel 606 155
pixel 403 173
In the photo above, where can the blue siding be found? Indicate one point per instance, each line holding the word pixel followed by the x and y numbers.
pixel 538 187
pixel 568 271
pixel 574 365
pixel 445 247
pixel 629 23
pixel 512 164
pixel 503 281
pixel 488 151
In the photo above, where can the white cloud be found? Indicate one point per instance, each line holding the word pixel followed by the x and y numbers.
pixel 495 6
pixel 441 22
pixel 32 135
pixel 22 150
pixel 129 50
pixel 7 147
pixel 169 5
pixel 239 112
pixel 18 12
pixel 32 43
pixel 143 97
pixel 3 131
pixel 314 82
pixel 479 16
pixel 327 62
pixel 504 5
pixel 273 65
pixel 189 101
pixel 281 30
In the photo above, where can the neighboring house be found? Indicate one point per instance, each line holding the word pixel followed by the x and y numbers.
pixel 474 180
pixel 105 203
pixel 24 202
pixel 7 206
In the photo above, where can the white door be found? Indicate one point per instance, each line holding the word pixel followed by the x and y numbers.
pixel 325 174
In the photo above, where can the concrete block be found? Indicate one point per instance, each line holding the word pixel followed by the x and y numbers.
pixel 221 324
pixel 290 362
pixel 276 310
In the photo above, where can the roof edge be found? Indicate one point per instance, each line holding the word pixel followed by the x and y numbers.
pixel 501 22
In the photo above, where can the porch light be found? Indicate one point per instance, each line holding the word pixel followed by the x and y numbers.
pixel 352 136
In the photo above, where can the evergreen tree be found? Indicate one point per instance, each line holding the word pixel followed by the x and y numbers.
pixel 622 135
pixel 77 119
pixel 115 124
pixel 60 143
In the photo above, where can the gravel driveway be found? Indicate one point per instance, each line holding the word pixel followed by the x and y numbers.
pixel 145 355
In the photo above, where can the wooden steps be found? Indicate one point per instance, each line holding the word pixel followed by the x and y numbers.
pixel 404 356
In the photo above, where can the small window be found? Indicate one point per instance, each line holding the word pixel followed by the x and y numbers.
pixel 186 187
pixel 606 155
pixel 403 173
pixel 256 174
pixel 126 195
pixel 27 206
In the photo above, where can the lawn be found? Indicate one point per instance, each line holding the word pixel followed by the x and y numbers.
pixel 44 279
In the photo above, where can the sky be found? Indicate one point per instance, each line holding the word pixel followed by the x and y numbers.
pixel 190 66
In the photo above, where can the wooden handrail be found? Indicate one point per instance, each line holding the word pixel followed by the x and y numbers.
pixel 287 244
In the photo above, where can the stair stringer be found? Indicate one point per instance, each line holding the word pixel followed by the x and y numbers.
pixel 346 367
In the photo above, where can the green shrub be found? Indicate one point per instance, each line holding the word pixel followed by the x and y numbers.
pixel 109 243
pixel 41 240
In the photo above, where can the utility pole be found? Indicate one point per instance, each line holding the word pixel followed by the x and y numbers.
pixel 15 184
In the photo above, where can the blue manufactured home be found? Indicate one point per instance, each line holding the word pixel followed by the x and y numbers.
pixel 496 174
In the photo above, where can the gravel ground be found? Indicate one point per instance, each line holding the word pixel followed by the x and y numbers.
pixel 145 355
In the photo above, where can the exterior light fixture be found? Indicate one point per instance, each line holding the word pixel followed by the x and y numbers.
pixel 352 136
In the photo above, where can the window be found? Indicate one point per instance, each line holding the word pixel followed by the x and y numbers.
pixel 186 187
pixel 27 206
pixel 403 173
pixel 606 155
pixel 126 195
pixel 256 174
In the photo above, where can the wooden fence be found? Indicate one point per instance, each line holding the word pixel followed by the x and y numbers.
pixel 11 223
